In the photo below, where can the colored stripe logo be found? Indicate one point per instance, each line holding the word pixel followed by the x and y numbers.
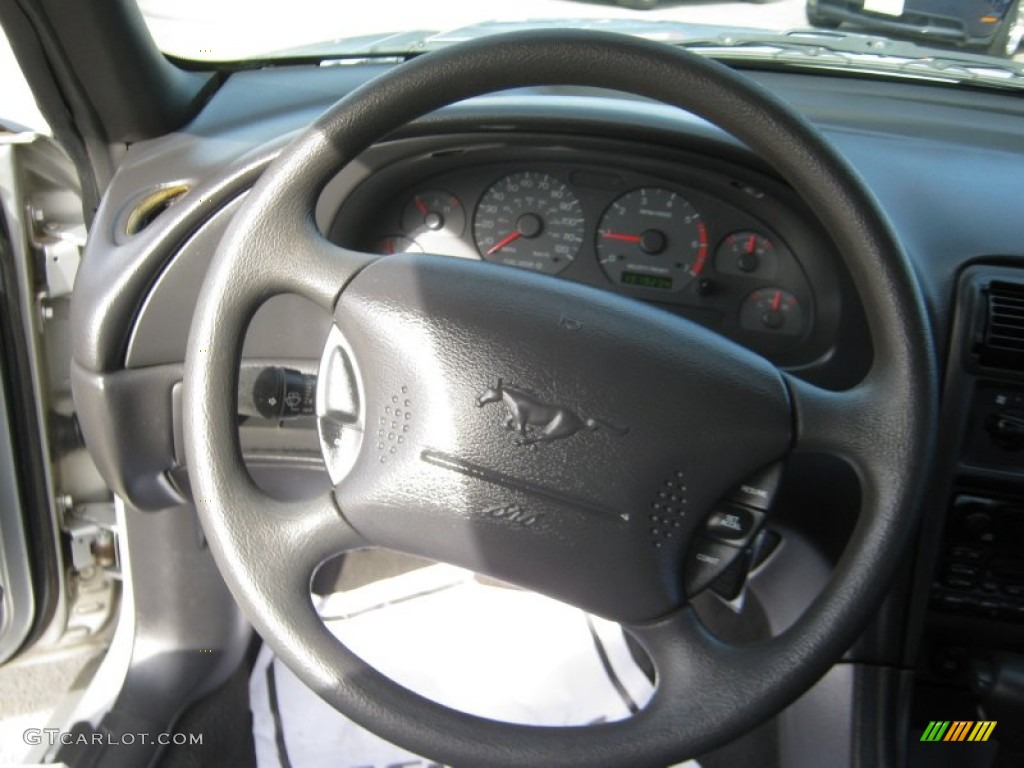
pixel 958 730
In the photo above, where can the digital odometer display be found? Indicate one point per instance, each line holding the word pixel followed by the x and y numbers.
pixel 646 281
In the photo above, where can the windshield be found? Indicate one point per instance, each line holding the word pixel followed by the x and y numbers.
pixel 951 40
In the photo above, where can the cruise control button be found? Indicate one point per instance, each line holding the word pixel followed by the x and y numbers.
pixel 732 523
pixel 758 490
pixel 707 561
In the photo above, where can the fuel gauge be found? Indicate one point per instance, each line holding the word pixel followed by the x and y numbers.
pixel 434 211
pixel 773 310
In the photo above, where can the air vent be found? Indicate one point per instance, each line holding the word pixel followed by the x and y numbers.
pixel 152 206
pixel 1003 344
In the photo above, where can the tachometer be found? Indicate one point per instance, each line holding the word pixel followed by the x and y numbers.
pixel 529 220
pixel 652 238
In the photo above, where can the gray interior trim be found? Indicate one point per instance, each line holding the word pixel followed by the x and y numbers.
pixel 816 730
pixel 189 638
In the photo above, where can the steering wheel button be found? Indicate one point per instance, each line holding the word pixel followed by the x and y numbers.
pixel 758 490
pixel 732 523
pixel 708 560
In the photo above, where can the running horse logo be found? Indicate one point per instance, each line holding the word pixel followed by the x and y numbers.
pixel 538 422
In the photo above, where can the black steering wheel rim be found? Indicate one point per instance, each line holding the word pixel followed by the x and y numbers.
pixel 883 426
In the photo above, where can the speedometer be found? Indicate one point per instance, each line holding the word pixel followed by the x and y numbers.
pixel 530 220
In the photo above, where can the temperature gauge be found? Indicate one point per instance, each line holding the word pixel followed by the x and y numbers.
pixel 773 310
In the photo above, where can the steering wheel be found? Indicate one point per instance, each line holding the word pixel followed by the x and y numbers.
pixel 609 402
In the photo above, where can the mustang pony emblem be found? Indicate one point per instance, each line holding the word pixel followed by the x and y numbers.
pixel 538 422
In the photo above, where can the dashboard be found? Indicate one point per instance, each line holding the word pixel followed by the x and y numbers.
pixel 656 206
pixel 722 246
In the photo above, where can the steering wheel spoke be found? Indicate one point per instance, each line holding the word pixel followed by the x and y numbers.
pixel 862 426
pixel 680 647
pixel 283 543
pixel 315 267
pixel 321 269
pixel 837 423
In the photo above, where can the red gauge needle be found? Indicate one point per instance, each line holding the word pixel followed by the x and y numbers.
pixel 777 300
pixel 620 236
pixel 503 242
pixel 751 244
pixel 421 205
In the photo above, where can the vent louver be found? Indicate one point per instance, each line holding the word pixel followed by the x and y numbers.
pixel 1003 344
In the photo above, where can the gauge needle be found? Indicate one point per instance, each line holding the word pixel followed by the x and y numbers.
pixel 777 300
pixel 503 242
pixel 751 244
pixel 620 236
pixel 421 205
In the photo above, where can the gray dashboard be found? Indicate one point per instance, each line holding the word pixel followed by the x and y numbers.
pixel 945 164
pixel 938 160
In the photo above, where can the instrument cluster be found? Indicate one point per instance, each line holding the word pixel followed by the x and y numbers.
pixel 697 244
